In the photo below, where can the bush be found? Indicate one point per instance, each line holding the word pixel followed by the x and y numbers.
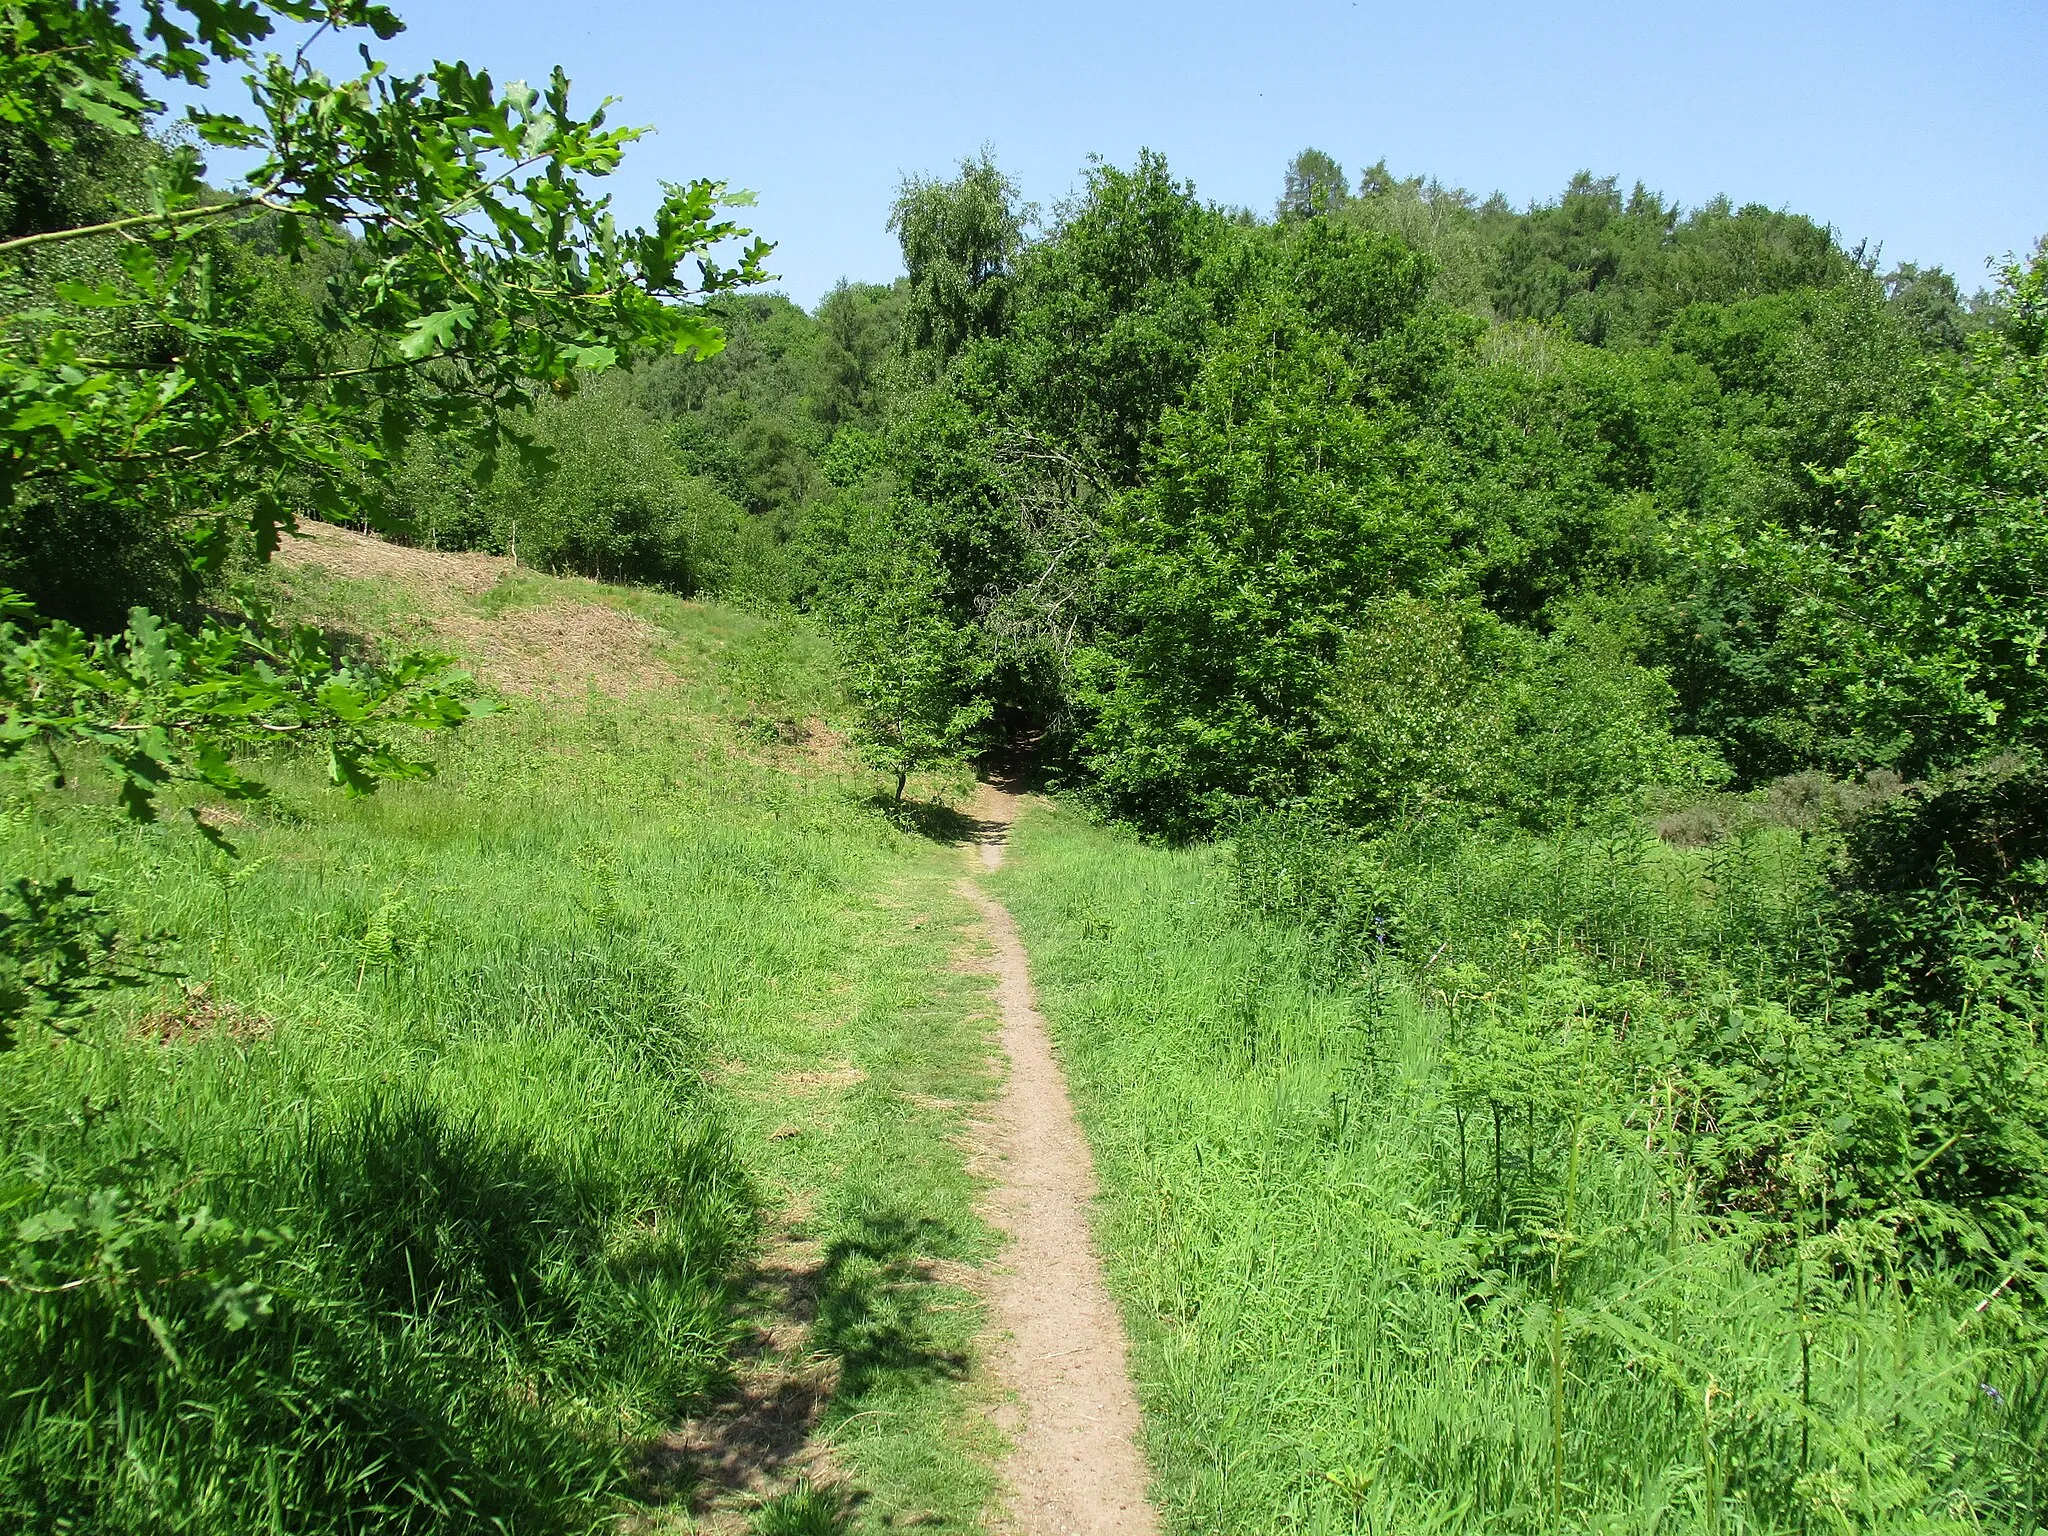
pixel 1440 705
pixel 609 504
pixel 1944 897
pixel 611 496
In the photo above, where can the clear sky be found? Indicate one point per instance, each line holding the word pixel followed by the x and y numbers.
pixel 1923 127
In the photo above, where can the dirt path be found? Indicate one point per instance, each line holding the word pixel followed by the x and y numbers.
pixel 1076 1467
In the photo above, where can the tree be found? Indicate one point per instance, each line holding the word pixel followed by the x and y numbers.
pixel 858 325
pixel 613 501
pixel 1315 186
pixel 471 267
pixel 1275 508
pixel 911 672
pixel 1931 619
pixel 1930 306
pixel 959 240
pixel 1111 313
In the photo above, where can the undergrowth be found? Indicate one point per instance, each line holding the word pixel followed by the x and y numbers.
pixel 1485 1181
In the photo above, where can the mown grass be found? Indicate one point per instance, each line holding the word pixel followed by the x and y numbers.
pixel 424 1198
pixel 862 1111
pixel 1363 1303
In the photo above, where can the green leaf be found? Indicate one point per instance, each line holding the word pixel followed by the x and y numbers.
pixel 432 332
pixel 91 295
pixel 343 700
pixel 58 1221
pixel 699 336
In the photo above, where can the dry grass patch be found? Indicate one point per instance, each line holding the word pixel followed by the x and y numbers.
pixel 554 648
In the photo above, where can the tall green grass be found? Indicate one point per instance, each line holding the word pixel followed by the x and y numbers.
pixel 410 1206
pixel 1408 1246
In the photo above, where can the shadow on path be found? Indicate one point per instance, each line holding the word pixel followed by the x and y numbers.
pixel 1013 770
pixel 940 823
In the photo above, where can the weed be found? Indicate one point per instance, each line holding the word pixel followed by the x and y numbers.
pixel 808 1510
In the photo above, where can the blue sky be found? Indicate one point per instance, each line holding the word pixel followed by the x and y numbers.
pixel 1922 127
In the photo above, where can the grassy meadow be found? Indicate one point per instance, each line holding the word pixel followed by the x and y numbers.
pixel 1548 932
pixel 1364 1302
pixel 432 1186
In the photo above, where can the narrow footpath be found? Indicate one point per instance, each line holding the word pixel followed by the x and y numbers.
pixel 1076 1468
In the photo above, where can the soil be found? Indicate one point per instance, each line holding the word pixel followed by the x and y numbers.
pixel 556 649
pixel 1076 1466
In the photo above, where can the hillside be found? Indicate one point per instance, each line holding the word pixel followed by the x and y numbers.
pixel 477 1139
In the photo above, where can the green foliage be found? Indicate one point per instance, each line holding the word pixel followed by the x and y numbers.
pixel 1459 1178
pixel 746 419
pixel 849 364
pixel 911 676
pixel 1928 301
pixel 1315 186
pixel 1945 891
pixel 1440 706
pixel 1303 872
pixel 392 1303
pixel 614 502
pixel 1934 632
pixel 339 1334
pixel 959 239
pixel 145 370
pixel 1191 452
pixel 88 563
pixel 59 950
pixel 1615 270
pixel 1114 311
pixel 689 473
pixel 1447 224
pixel 163 705
pixel 1274 510
pixel 474 287
pixel 1417 725
pixel 805 1511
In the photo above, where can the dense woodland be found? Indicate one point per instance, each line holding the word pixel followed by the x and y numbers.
pixel 1618 630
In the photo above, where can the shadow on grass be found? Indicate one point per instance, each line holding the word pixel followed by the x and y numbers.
pixel 417 1296
pixel 937 822
pixel 838 1323
pixel 435 1217
pixel 874 1305
pixel 757 1441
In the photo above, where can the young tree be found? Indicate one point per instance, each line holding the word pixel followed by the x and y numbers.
pixel 910 670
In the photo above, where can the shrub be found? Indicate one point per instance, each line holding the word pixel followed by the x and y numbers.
pixel 1941 880
pixel 1438 704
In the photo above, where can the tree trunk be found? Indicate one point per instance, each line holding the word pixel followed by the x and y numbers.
pixel 902 778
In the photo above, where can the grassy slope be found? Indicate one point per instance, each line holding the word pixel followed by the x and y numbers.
pixel 435 1202
pixel 1281 1220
